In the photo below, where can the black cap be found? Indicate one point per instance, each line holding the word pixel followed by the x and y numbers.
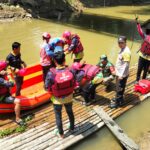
pixel 122 39
pixel 59 57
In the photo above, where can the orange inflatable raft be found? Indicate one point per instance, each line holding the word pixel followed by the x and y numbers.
pixel 32 93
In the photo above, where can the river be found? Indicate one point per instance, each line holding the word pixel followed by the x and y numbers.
pixel 98 31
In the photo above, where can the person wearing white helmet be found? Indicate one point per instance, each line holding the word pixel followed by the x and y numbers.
pixel 45 54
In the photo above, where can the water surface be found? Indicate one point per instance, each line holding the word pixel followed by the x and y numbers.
pixel 98 29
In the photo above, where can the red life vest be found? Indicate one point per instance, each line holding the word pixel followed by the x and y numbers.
pixel 3 90
pixel 145 48
pixel 79 47
pixel 143 86
pixel 90 70
pixel 64 82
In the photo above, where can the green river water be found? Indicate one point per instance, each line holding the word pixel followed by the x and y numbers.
pixel 98 31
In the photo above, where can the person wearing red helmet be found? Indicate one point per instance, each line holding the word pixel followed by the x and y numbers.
pixel 45 54
pixel 74 45
pixel 16 63
pixel 144 52
pixel 5 96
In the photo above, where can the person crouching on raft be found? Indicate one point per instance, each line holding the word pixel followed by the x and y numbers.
pixel 61 82
pixel 105 76
pixel 107 72
pixel 5 96
pixel 74 46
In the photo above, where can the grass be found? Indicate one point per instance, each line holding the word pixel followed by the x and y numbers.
pixel 19 129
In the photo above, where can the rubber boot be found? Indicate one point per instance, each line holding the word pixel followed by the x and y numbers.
pixel 92 92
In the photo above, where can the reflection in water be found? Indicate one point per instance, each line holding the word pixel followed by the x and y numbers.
pixel 106 25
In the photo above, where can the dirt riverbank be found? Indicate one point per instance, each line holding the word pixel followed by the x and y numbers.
pixel 11 13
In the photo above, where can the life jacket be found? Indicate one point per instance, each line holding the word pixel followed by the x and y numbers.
pixel 143 86
pixel 145 48
pixel 79 47
pixel 3 90
pixel 45 60
pixel 64 82
pixel 90 70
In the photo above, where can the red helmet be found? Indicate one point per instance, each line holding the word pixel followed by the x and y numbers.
pixel 3 65
pixel 76 66
pixel 66 34
pixel 22 72
pixel 46 35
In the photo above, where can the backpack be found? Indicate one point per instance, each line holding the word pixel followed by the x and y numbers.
pixel 143 86
pixel 64 82
pixel 90 70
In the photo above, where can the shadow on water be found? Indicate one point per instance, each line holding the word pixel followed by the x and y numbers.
pixel 100 3
pixel 141 11
pixel 102 24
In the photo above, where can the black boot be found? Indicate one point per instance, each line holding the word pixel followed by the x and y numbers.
pixel 114 103
pixel 92 92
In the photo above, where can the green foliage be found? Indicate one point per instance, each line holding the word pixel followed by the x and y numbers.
pixel 18 129
pixel 6 132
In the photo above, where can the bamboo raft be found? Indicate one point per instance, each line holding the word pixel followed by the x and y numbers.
pixel 40 134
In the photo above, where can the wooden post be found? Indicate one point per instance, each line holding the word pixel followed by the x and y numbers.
pixel 128 143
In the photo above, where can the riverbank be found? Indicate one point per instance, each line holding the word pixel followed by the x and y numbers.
pixel 10 13
pixel 42 9
pixel 144 142
pixel 122 12
pixel 58 10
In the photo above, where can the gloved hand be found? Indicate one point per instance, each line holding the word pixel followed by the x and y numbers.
pixel 136 19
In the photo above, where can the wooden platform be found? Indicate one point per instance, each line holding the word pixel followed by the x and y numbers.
pixel 41 129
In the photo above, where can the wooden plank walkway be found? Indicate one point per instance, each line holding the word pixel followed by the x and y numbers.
pixel 128 143
pixel 40 134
